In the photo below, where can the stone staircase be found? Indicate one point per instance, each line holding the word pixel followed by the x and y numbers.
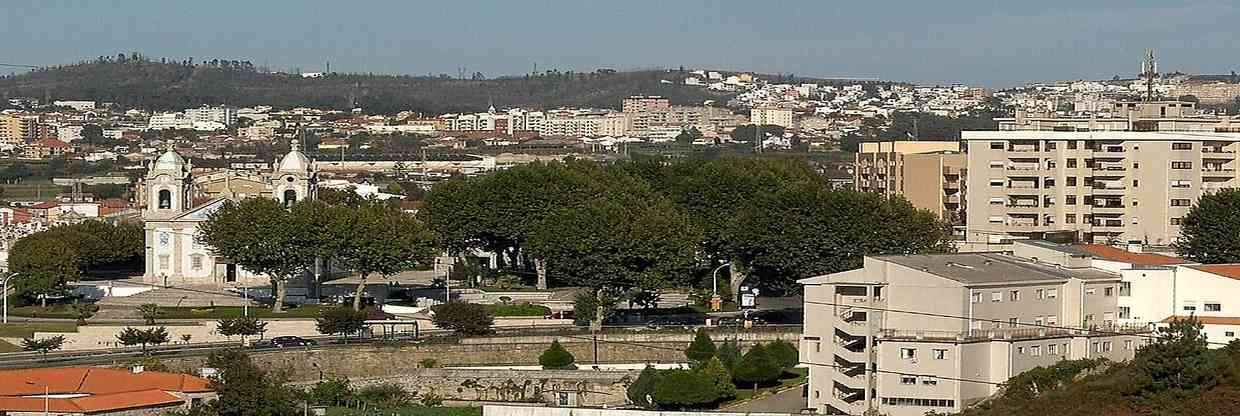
pixel 189 296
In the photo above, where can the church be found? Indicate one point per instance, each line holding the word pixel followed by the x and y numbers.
pixel 174 200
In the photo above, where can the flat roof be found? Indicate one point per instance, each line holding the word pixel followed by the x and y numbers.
pixel 988 268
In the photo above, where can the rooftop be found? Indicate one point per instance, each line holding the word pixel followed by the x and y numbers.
pixel 1106 252
pixel 1207 320
pixel 92 390
pixel 984 268
pixel 1225 270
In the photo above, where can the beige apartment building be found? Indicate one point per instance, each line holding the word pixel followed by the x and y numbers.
pixel 772 115
pixel 16 129
pixel 909 334
pixel 1127 178
pixel 928 173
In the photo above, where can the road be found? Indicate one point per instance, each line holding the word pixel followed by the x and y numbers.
pixel 787 401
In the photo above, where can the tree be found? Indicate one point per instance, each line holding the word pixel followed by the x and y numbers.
pixel 464 318
pixel 684 389
pixel 43 345
pixel 757 367
pixel 750 133
pixel 714 370
pixel 784 353
pixel 244 326
pixel 641 392
pixel 556 358
pixel 586 306
pixel 44 266
pixel 244 389
pixel 131 336
pixel 730 355
pixel 331 392
pixel 150 312
pixel 343 321
pixel 82 311
pixel 1208 231
pixel 377 238
pixel 264 238
pixel 687 137
pixel 702 348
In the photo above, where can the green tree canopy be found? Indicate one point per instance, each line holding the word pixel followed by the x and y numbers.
pixel 1208 233
pixel 555 357
pixel 245 389
pixel 758 367
pixel 641 392
pixel 343 321
pixel 260 235
pixel 374 237
pixel 464 318
pixel 784 353
pixel 684 389
pixel 702 348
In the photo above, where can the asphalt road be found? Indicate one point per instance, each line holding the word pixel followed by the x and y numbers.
pixel 787 401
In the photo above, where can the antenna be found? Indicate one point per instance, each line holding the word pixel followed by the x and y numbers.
pixel 1149 71
pixel 329 67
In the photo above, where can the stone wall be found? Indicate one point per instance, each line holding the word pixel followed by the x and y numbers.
pixel 569 387
pixel 492 410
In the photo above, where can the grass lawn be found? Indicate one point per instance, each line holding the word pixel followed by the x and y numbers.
pixel 7 347
pixel 217 312
pixel 520 309
pixel 26 330
pixel 407 411
pixel 35 311
pixel 791 377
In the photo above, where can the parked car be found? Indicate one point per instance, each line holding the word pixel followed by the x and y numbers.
pixel 286 342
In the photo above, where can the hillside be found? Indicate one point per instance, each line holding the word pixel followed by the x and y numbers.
pixel 155 85
pixel 1176 375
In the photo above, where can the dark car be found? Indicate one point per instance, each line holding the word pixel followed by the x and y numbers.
pixel 288 341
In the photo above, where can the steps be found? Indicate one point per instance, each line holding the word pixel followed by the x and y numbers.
pixel 189 296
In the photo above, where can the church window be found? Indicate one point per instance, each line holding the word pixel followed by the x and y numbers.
pixel 163 262
pixel 195 262
pixel 165 199
pixel 290 197
pixel 290 179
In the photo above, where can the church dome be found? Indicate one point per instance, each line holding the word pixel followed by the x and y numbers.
pixel 169 161
pixel 295 161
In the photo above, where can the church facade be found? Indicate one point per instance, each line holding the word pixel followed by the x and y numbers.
pixel 175 200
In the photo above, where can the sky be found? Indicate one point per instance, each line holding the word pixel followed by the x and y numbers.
pixel 998 43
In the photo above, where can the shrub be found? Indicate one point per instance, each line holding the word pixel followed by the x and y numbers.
pixel 784 353
pixel 730 355
pixel 464 318
pixel 343 321
pixel 681 389
pixel 385 395
pixel 428 363
pixel 556 358
pixel 331 392
pixel 150 312
pixel 641 392
pixel 757 367
pixel 714 371
pixel 702 348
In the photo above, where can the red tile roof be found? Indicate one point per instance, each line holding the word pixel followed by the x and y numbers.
pixel 45 205
pixel 1225 270
pixel 103 389
pixel 1207 320
pixel 1111 253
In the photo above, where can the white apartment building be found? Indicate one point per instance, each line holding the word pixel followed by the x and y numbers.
pixel 1128 178
pixel 164 121
pixel 79 105
pixel 219 114
pixel 584 123
pixel 69 133
pixel 772 115
pixel 909 334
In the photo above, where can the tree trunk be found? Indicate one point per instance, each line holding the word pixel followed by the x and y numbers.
pixel 737 273
pixel 357 294
pixel 279 287
pixel 540 267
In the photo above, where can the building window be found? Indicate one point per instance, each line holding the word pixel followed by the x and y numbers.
pixel 1181 146
pixel 996 164
pixel 1181 202
pixel 1014 295
pixel 1052 319
pixel 1177 221
pixel 290 197
pixel 1020 350
pixel 1128 344
pixel 1136 165
pixel 1052 349
pixel 1071 144
pixel 1095 347
pixel 908 353
pixel 1071 181
pixel 1091 291
pixel 1136 183
pixel 938 354
pixel 1012 322
pixel 976 297
pixel 997 145
pixel 1183 183
pixel 929 381
pixel 1035 350
pixel 996 182
pixel 1229 334
pixel 195 262
pixel 1071 162
pixel 1052 293
pixel 1108 291
pixel 1214 307
pixel 165 199
pixel 1125 312
pixel 1050 145
pixel 996 296
pixel 1069 199
pixel 163 262
pixel 1190 308
pixel 1106 346
pixel 908 380
pixel 1040 293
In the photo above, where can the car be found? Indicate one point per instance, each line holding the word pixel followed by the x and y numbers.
pixel 289 341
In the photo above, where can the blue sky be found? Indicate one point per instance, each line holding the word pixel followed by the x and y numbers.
pixel 995 43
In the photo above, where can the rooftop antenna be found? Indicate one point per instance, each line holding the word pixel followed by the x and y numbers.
pixel 329 67
pixel 1149 71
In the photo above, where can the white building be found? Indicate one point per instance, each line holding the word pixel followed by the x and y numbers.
pixel 76 104
pixel 68 134
pixel 219 114
pixel 164 121
pixel 772 115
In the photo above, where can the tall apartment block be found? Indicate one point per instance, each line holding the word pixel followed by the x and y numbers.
pixel 927 173
pixel 909 334
pixel 640 103
pixel 1127 177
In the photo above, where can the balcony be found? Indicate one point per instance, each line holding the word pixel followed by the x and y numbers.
pixel 1110 190
pixel 951 184
pixel 952 199
pixel 1108 209
pixel 1024 167
pixel 1216 153
pixel 1218 173
pixel 1109 152
pixel 848 394
pixel 1108 225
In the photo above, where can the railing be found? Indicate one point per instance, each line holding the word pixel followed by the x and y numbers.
pixel 1014 333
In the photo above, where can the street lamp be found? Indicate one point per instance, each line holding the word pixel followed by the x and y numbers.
pixel 5 294
pixel 716 303
pixel 47 393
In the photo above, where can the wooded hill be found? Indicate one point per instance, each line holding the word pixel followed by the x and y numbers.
pixel 138 82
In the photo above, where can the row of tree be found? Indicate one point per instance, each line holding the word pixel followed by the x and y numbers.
pixel 47 260
pixel 714 374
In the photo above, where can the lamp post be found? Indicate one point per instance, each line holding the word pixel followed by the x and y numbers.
pixel 5 294
pixel 716 303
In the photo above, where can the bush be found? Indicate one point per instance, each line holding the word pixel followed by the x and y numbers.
pixel 343 321
pixel 784 353
pixel 331 392
pixel 641 392
pixel 428 363
pixel 702 348
pixel 681 389
pixel 464 318
pixel 730 355
pixel 385 395
pixel 714 371
pixel 585 306
pixel 758 367
pixel 556 358
pixel 150 312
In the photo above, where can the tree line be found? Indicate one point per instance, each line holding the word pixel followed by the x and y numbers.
pixel 47 260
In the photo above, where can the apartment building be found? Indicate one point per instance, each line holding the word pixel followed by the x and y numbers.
pixel 16 129
pixel 927 173
pixel 1127 177
pixel 219 114
pixel 772 115
pixel 643 103
pixel 584 123
pixel 871 345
